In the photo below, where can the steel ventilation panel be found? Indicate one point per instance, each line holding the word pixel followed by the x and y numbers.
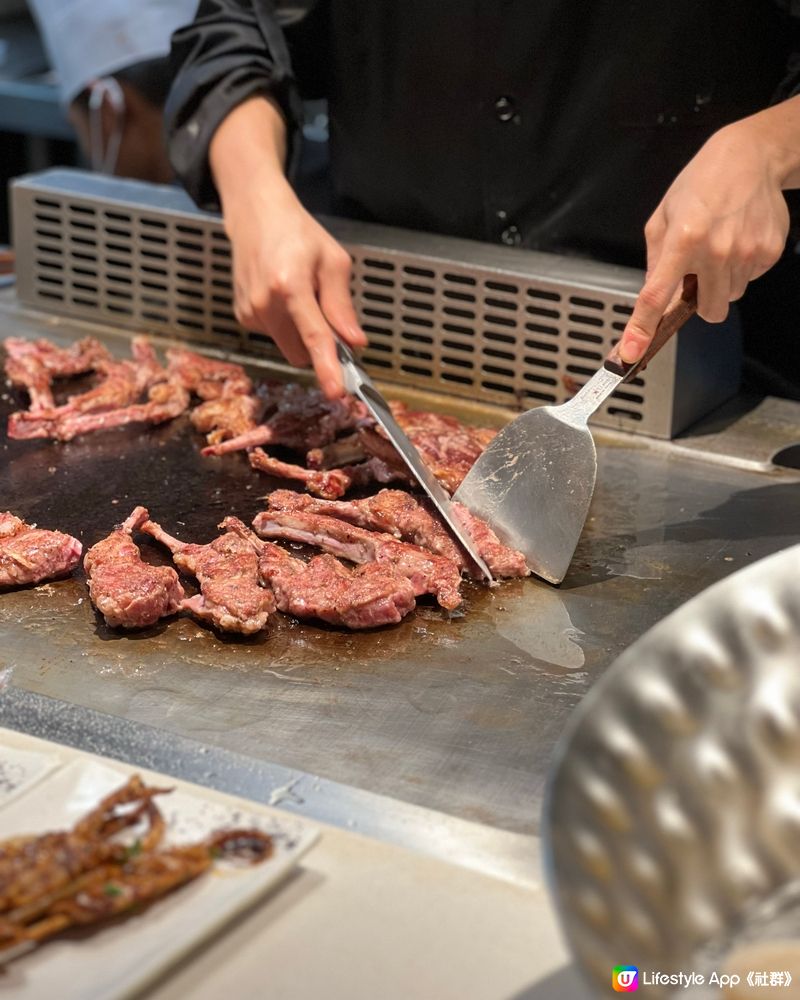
pixel 493 324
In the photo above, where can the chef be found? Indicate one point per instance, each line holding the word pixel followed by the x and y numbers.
pixel 110 61
pixel 558 125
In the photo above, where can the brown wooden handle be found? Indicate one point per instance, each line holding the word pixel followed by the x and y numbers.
pixel 678 311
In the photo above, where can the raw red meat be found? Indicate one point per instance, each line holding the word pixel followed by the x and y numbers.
pixel 125 590
pixel 30 555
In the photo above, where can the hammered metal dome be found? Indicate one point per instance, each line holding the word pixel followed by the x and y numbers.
pixel 673 806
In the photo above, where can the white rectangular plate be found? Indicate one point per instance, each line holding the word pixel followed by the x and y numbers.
pixel 119 960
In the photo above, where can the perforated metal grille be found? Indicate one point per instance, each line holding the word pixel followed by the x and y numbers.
pixel 512 341
pixel 491 324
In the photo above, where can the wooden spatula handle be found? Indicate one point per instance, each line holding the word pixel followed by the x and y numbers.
pixel 678 311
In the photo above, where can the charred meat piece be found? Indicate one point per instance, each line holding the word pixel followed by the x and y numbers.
pixel 126 590
pixel 225 416
pixel 206 377
pixel 427 573
pixel 303 419
pixel 448 447
pixel 332 484
pixel 31 555
pixel 33 868
pixel 346 451
pixel 231 596
pixel 33 365
pixel 364 597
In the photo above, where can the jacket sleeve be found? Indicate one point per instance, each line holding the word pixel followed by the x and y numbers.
pixel 232 50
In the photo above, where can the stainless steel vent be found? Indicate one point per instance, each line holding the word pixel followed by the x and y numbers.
pixel 494 324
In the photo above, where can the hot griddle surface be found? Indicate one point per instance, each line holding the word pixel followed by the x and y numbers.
pixel 457 713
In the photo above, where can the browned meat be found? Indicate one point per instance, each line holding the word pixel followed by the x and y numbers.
pixel 113 889
pixel 231 596
pixel 303 419
pixel 402 515
pixel 125 590
pixel 31 555
pixel 33 868
pixel 332 484
pixel 226 416
pixel 427 573
pixel 33 364
pixel 81 877
pixel 166 400
pixel 346 451
pixel 501 560
pixel 448 447
pixel 364 597
pixel 114 398
pixel 206 377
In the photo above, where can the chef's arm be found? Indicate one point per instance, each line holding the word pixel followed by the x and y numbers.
pixel 724 218
pixel 233 122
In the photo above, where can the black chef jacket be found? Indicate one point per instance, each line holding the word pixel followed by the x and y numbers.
pixel 552 124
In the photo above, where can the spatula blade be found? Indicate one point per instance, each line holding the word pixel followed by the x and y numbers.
pixel 533 485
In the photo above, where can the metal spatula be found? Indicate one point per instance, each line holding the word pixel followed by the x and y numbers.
pixel 534 482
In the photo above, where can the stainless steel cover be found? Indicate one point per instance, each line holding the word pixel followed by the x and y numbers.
pixel 672 815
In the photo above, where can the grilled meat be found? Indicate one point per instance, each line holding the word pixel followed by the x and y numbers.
pixel 448 447
pixel 400 514
pixel 367 596
pixel 125 590
pixel 83 876
pixel 364 597
pixel 33 364
pixel 501 560
pixel 225 416
pixel 205 377
pixel 110 403
pixel 31 555
pixel 303 419
pixel 332 484
pixel 231 596
pixel 427 573
pixel 34 868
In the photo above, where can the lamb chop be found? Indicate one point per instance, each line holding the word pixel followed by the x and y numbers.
pixel 231 596
pixel 122 384
pixel 128 592
pixel 31 555
pixel 33 365
pixel 332 484
pixel 448 447
pixel 205 377
pixel 402 515
pixel 225 416
pixel 367 596
pixel 303 419
pixel 166 400
pixel 427 573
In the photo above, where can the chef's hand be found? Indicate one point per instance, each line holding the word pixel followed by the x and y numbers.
pixel 724 218
pixel 291 278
